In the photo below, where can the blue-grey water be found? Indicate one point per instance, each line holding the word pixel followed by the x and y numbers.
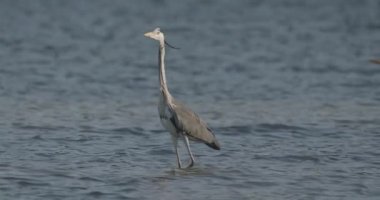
pixel 286 86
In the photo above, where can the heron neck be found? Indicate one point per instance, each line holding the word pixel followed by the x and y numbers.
pixel 162 75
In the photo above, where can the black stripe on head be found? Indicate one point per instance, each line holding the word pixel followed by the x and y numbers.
pixel 171 46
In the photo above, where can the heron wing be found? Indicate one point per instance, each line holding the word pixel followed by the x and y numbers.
pixel 192 125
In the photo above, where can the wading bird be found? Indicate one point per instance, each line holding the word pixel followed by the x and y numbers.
pixel 180 121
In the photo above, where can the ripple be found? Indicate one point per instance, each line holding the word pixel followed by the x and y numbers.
pixel 36 127
pixel 88 178
pixel 278 127
pixel 138 131
pixel 31 183
pixel 25 182
pixel 233 130
pixel 262 183
pixel 96 194
pixel 160 152
pixel 289 158
pixel 191 172
pixel 37 137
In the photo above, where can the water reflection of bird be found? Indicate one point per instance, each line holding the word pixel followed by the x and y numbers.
pixel 178 119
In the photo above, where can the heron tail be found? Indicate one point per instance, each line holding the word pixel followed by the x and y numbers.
pixel 215 145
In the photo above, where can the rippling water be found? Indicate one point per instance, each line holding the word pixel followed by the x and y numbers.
pixel 287 87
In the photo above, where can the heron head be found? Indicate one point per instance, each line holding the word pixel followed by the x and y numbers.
pixel 156 34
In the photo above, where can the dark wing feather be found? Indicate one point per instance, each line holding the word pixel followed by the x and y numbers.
pixel 192 125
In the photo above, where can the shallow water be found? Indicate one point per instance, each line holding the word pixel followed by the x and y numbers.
pixel 287 87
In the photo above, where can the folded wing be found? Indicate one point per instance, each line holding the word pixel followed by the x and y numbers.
pixel 192 125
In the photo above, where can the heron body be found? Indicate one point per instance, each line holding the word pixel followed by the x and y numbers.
pixel 178 119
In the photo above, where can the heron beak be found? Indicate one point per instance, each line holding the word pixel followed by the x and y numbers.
pixel 148 34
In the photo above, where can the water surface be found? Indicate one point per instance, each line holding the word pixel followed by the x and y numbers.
pixel 286 86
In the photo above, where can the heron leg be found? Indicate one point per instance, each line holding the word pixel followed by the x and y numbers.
pixel 178 159
pixel 189 151
pixel 175 142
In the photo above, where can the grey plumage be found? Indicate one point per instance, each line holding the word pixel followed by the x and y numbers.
pixel 177 118
pixel 194 127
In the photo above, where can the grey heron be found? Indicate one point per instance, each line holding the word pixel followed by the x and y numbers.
pixel 179 120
